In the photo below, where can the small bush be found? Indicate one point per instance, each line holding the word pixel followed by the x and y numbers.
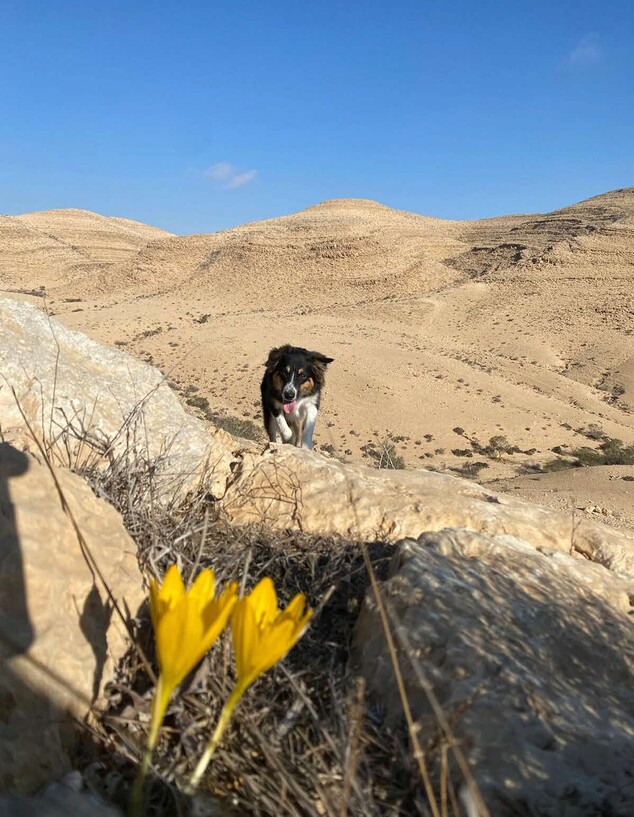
pixel 588 456
pixel 470 470
pixel 556 465
pixel 198 401
pixel 615 453
pixel 611 451
pixel 592 432
pixel 384 454
pixel 238 426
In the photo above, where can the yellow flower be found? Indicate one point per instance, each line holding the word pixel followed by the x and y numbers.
pixel 262 635
pixel 186 623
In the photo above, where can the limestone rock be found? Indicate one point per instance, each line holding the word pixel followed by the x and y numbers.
pixel 59 636
pixel 63 379
pixel 530 656
pixel 285 487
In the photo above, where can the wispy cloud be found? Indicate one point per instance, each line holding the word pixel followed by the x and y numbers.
pixel 228 176
pixel 588 51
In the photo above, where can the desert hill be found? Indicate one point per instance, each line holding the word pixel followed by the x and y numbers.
pixel 370 248
pixel 54 248
pixel 519 327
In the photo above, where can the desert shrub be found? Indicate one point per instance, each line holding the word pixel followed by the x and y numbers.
pixel 611 451
pixel 616 453
pixel 384 453
pixel 198 401
pixel 592 432
pixel 238 426
pixel 494 449
pixel 499 445
pixel 555 465
pixel 470 470
pixel 587 456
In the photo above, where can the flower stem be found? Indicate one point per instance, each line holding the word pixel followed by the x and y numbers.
pixel 135 806
pixel 223 722
pixel 159 707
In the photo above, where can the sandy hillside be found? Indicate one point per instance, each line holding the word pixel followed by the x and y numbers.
pixel 61 248
pixel 519 327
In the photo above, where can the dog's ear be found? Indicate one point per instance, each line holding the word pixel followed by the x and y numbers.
pixel 273 359
pixel 322 358
pixel 318 366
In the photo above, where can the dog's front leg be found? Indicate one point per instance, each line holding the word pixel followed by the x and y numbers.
pixel 298 432
pixel 309 427
pixel 279 424
pixel 274 434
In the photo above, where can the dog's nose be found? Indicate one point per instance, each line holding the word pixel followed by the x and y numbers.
pixel 289 392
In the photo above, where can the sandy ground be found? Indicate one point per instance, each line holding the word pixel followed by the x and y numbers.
pixel 519 327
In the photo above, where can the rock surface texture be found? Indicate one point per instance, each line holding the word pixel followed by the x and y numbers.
pixel 289 488
pixel 530 656
pixel 89 397
pixel 59 636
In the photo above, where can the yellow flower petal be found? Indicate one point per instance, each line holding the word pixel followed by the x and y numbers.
pixel 203 588
pixel 243 630
pixel 261 634
pixel 295 608
pixel 186 623
pixel 263 601
pixel 172 590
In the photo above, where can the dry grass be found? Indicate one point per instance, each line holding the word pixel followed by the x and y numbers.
pixel 303 741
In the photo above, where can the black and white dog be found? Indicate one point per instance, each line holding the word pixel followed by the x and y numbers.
pixel 291 391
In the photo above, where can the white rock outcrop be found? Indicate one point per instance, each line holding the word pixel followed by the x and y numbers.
pixel 59 635
pixel 283 487
pixel 530 657
pixel 84 395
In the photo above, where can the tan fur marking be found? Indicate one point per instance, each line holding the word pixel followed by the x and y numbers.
pixel 306 389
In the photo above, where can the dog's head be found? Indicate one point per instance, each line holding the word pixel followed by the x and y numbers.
pixel 296 373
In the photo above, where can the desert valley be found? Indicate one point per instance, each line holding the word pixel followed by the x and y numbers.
pixel 474 348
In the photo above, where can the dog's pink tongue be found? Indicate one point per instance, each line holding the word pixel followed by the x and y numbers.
pixel 289 408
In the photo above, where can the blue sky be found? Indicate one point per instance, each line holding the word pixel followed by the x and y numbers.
pixel 196 116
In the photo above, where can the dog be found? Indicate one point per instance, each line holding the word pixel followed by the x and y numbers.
pixel 291 392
